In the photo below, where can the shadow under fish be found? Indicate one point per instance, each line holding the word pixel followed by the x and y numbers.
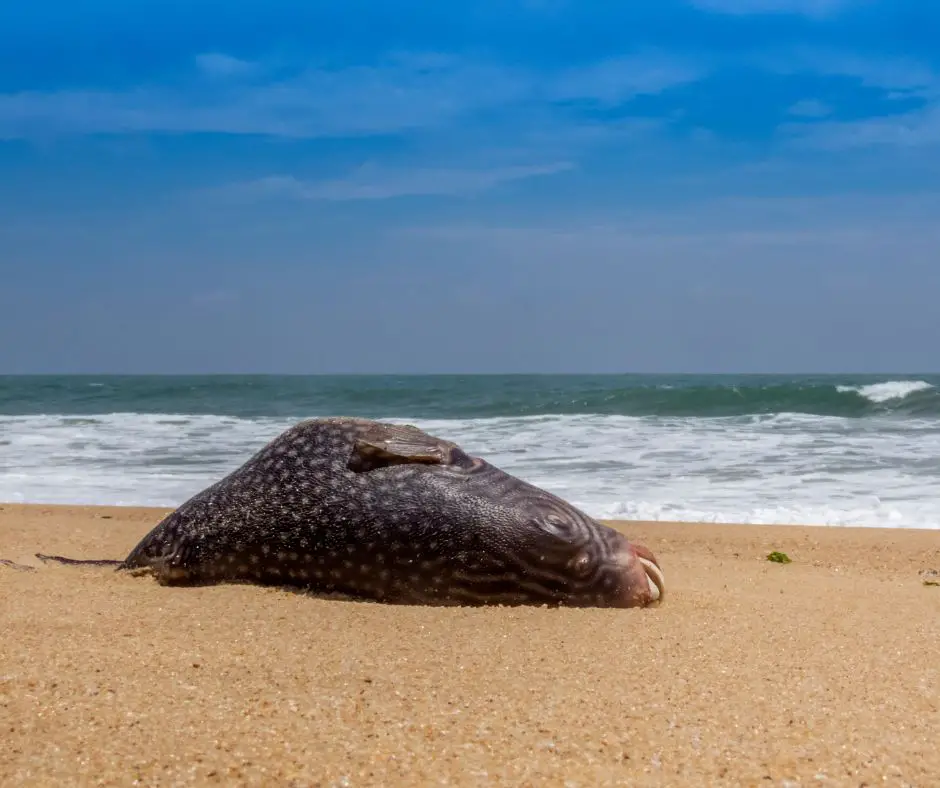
pixel 387 512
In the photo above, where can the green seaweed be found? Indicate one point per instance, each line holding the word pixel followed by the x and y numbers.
pixel 779 558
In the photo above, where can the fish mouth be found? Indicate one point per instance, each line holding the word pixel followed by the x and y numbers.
pixel 655 579
pixel 643 581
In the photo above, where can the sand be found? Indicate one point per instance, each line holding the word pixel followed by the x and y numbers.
pixel 824 671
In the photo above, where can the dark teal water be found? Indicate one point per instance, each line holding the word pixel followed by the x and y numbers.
pixel 481 396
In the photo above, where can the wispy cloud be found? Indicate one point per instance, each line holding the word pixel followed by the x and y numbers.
pixel 218 64
pixel 899 79
pixel 903 77
pixel 617 80
pixel 315 103
pixel 812 8
pixel 810 108
pixel 407 92
pixel 376 183
pixel 920 128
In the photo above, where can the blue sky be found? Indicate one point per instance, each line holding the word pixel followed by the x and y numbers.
pixel 524 185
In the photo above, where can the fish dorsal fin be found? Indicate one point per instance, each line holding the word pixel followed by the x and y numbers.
pixel 382 445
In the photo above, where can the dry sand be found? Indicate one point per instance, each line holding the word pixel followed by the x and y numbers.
pixel 825 671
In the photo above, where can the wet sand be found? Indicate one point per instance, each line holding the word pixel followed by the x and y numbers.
pixel 824 671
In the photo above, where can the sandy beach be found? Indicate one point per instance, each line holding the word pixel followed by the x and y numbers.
pixel 824 671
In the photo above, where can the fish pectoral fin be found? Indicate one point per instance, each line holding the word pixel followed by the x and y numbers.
pixel 61 559
pixel 392 444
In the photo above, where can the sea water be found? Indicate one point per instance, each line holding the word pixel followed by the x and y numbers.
pixel 828 450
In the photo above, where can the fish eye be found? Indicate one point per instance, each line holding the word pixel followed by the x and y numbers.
pixel 558 525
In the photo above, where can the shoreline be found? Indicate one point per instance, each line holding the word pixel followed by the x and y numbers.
pixel 818 672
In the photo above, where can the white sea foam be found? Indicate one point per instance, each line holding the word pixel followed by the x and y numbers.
pixel 889 390
pixel 758 469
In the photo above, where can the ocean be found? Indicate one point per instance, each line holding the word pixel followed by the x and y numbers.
pixel 826 450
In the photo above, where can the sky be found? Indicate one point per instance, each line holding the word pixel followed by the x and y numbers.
pixel 511 186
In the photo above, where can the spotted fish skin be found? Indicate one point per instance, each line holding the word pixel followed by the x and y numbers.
pixel 389 513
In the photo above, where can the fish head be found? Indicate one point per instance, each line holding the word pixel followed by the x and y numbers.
pixel 599 565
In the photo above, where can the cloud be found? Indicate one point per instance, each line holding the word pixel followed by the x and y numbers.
pixel 407 92
pixel 810 108
pixel 898 79
pixel 817 9
pixel 901 77
pixel 218 64
pixel 616 80
pixel 908 130
pixel 374 183
pixel 316 103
